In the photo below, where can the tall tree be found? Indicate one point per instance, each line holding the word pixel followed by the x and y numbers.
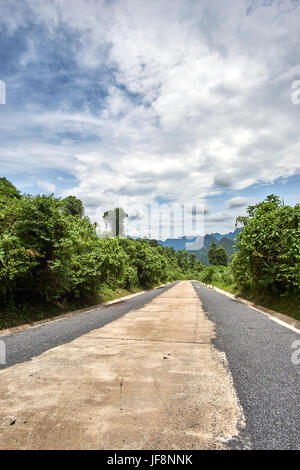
pixel 73 206
pixel 221 258
pixel 212 253
pixel 192 260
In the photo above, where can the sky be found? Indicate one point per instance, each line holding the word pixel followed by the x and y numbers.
pixel 155 102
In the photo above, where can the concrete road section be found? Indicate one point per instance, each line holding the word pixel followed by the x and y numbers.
pixel 151 379
pixel 23 343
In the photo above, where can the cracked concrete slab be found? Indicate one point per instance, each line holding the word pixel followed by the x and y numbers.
pixel 149 380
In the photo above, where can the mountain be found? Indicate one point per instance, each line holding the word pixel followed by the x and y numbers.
pixel 228 244
pixel 231 235
pixel 226 240
pixel 177 243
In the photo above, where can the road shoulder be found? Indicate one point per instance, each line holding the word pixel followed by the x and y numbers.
pixel 149 380
pixel 26 326
pixel 280 318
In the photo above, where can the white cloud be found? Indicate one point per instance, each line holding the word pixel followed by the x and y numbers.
pixel 236 202
pixel 194 103
pixel 46 185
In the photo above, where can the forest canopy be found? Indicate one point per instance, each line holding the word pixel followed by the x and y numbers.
pixel 50 250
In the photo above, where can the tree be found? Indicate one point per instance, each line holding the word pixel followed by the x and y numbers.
pixel 268 257
pixel 72 206
pixel 217 255
pixel 182 259
pixel 221 258
pixel 153 242
pixel 192 260
pixel 212 253
pixel 32 229
pixel 50 253
pixel 8 190
pixel 115 218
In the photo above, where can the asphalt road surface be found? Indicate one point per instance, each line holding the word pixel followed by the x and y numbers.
pixel 259 354
pixel 181 367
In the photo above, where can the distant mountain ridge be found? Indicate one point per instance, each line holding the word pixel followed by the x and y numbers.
pixel 226 240
pixel 231 235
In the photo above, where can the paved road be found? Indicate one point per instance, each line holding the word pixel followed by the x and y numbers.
pixel 174 376
pixel 258 352
pixel 23 345
pixel 149 380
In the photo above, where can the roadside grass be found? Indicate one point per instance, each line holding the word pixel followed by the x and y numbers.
pixel 288 305
pixel 30 312
pixel 232 289
pixel 106 294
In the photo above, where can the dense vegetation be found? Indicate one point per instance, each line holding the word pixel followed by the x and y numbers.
pixel 268 255
pixel 52 258
pixel 51 254
pixel 266 267
pixel 217 255
pixel 225 241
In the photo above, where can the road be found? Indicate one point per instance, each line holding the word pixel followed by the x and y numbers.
pixel 259 354
pixel 181 367
pixel 23 345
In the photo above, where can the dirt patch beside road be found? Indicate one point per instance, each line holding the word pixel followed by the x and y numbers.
pixel 149 380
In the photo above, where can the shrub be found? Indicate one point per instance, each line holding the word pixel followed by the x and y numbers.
pixel 50 251
pixel 268 257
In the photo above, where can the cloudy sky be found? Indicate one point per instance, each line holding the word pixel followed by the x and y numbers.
pixel 156 101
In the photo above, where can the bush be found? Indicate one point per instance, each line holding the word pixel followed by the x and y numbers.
pixel 207 275
pixel 216 275
pixel 49 251
pixel 268 257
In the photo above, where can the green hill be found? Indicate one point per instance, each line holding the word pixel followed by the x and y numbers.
pixel 225 242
